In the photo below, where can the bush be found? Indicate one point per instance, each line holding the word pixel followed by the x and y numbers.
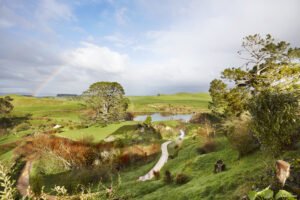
pixel 148 121
pixel 168 177
pixel 275 119
pixel 156 175
pixel 181 179
pixel 129 116
pixel 241 138
pixel 208 146
pixel 204 118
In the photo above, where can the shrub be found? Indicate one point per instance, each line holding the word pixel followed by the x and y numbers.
pixel 209 146
pixel 168 177
pixel 156 175
pixel 7 189
pixel 241 138
pixel 204 118
pixel 148 121
pixel 129 116
pixel 181 179
pixel 275 119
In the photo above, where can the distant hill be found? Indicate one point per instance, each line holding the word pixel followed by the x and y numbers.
pixel 66 95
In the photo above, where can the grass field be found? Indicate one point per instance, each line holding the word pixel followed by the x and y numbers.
pixel 184 102
pixel 59 109
pixel 96 132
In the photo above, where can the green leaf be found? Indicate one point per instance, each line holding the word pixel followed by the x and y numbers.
pixel 284 194
pixel 266 193
pixel 252 195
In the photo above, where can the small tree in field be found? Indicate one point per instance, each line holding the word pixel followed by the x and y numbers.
pixel 5 105
pixel 148 121
pixel 107 101
pixel 275 119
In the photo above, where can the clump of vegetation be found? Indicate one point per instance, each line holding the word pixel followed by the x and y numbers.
pixel 267 193
pixel 36 183
pixel 209 146
pixel 240 136
pixel 7 184
pixel 148 121
pixel 5 105
pixel 168 178
pixel 72 154
pixel 275 119
pixel 203 118
pixel 156 175
pixel 129 116
pixel 181 179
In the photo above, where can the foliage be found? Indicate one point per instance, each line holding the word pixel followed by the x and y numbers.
pixel 267 193
pixel 209 146
pixel 204 118
pixel 270 65
pixel 129 116
pixel 107 100
pixel 168 178
pixel 156 175
pixel 240 137
pixel 72 154
pixel 181 179
pixel 7 189
pixel 5 105
pixel 217 92
pixel 36 184
pixel 275 119
pixel 148 121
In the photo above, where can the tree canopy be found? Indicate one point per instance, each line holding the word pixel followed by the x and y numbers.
pixel 5 105
pixel 107 100
pixel 270 65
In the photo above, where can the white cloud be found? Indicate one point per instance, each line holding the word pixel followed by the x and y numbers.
pixel 195 48
pixel 95 57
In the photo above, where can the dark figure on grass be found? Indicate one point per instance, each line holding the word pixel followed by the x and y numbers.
pixel 219 166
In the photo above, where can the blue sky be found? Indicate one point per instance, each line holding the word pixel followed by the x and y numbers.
pixel 149 46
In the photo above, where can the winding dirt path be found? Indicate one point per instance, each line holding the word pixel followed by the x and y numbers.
pixel 23 182
pixel 162 160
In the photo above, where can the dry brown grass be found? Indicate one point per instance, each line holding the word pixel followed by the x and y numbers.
pixel 75 153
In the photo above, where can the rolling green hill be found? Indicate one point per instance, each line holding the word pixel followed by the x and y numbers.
pixel 180 102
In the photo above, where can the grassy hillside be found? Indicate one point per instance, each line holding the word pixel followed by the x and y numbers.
pixel 236 181
pixel 96 132
pixel 59 109
pixel 180 102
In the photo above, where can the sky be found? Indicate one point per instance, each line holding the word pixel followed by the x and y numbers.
pixel 149 46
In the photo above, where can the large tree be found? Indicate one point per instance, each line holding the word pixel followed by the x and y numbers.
pixel 107 101
pixel 270 65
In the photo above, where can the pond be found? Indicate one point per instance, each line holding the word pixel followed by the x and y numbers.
pixel 158 117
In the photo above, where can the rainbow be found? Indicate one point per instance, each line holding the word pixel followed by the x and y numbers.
pixel 47 81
